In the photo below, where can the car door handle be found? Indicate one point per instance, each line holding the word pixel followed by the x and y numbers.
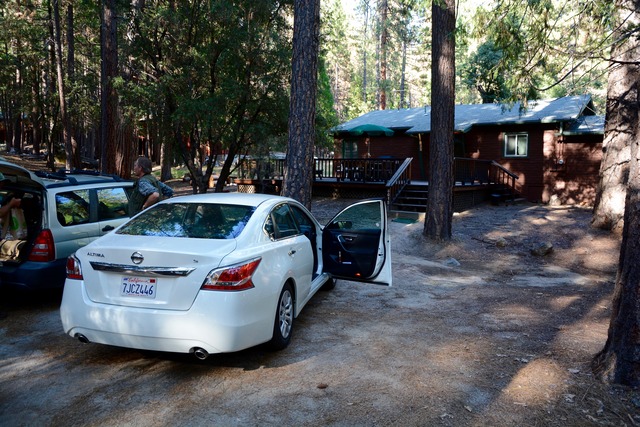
pixel 292 252
pixel 108 228
pixel 346 239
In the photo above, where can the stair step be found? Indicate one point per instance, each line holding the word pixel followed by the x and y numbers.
pixel 411 205
pixel 413 198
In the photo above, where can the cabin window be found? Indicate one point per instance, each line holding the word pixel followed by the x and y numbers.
pixel 349 149
pixel 516 144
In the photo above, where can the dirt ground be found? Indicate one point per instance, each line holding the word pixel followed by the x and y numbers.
pixel 475 332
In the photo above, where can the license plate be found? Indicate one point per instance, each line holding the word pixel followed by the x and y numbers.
pixel 139 287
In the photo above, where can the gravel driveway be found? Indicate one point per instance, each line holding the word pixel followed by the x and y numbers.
pixel 504 338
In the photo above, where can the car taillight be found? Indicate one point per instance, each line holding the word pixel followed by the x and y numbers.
pixel 44 249
pixel 74 269
pixel 233 278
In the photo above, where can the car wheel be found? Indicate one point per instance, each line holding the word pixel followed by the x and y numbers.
pixel 329 284
pixel 283 324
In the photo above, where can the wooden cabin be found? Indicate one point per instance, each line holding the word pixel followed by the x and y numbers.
pixel 553 147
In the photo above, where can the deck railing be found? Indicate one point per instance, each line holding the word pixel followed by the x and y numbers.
pixel 394 173
pixel 260 168
pixel 346 170
pixel 477 171
pixel 471 171
pixel 399 180
pixel 500 175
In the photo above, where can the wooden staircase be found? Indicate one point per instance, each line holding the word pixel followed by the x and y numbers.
pixel 504 194
pixel 412 198
pixel 476 181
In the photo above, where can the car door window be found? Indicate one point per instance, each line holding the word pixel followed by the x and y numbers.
pixel 285 225
pixel 355 244
pixel 112 203
pixel 305 224
pixel 362 217
pixel 72 207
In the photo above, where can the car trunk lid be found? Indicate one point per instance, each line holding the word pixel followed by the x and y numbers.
pixel 150 272
pixel 27 186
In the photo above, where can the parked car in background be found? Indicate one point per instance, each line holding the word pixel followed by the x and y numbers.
pixel 63 212
pixel 220 272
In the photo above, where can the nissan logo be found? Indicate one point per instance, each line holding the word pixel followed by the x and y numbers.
pixel 137 258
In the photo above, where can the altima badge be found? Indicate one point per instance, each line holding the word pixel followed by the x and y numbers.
pixel 137 258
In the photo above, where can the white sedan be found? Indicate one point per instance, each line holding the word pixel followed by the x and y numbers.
pixel 216 273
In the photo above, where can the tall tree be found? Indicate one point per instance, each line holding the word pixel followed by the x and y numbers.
pixel 437 225
pixel 334 48
pixel 225 92
pixel 298 176
pixel 619 360
pixel 621 120
pixel 383 22
pixel 109 94
pixel 64 115
pixel 365 27
pixel 71 70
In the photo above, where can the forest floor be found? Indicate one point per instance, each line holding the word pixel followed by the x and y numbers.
pixel 477 331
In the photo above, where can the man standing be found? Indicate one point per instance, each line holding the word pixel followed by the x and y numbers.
pixel 147 189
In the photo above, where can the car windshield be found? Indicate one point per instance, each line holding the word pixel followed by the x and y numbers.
pixel 192 220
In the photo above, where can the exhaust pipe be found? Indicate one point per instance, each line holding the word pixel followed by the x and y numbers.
pixel 200 353
pixel 82 339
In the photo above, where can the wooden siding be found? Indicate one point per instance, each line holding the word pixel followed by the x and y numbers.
pixel 572 171
pixel 564 168
pixel 398 146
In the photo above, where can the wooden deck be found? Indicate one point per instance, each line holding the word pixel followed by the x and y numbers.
pixel 411 202
pixel 477 181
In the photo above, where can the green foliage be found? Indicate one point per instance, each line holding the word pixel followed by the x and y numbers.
pixel 538 48
pixel 326 116
pixel 217 72
pixel 482 72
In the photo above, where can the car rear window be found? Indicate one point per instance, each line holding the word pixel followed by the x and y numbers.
pixel 191 220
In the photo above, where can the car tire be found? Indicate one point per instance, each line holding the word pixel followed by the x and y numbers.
pixel 329 284
pixel 283 323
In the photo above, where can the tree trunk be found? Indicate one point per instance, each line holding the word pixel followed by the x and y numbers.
pixel 384 34
pixel 439 216
pixel 36 122
pixel 619 125
pixel 64 117
pixel 298 176
pixel 71 66
pixel 165 161
pixel 364 51
pixel 403 71
pixel 619 361
pixel 109 96
pixel 50 131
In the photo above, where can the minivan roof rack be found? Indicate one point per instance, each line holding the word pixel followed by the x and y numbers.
pixel 67 175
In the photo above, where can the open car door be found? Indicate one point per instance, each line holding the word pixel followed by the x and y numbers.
pixel 356 244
